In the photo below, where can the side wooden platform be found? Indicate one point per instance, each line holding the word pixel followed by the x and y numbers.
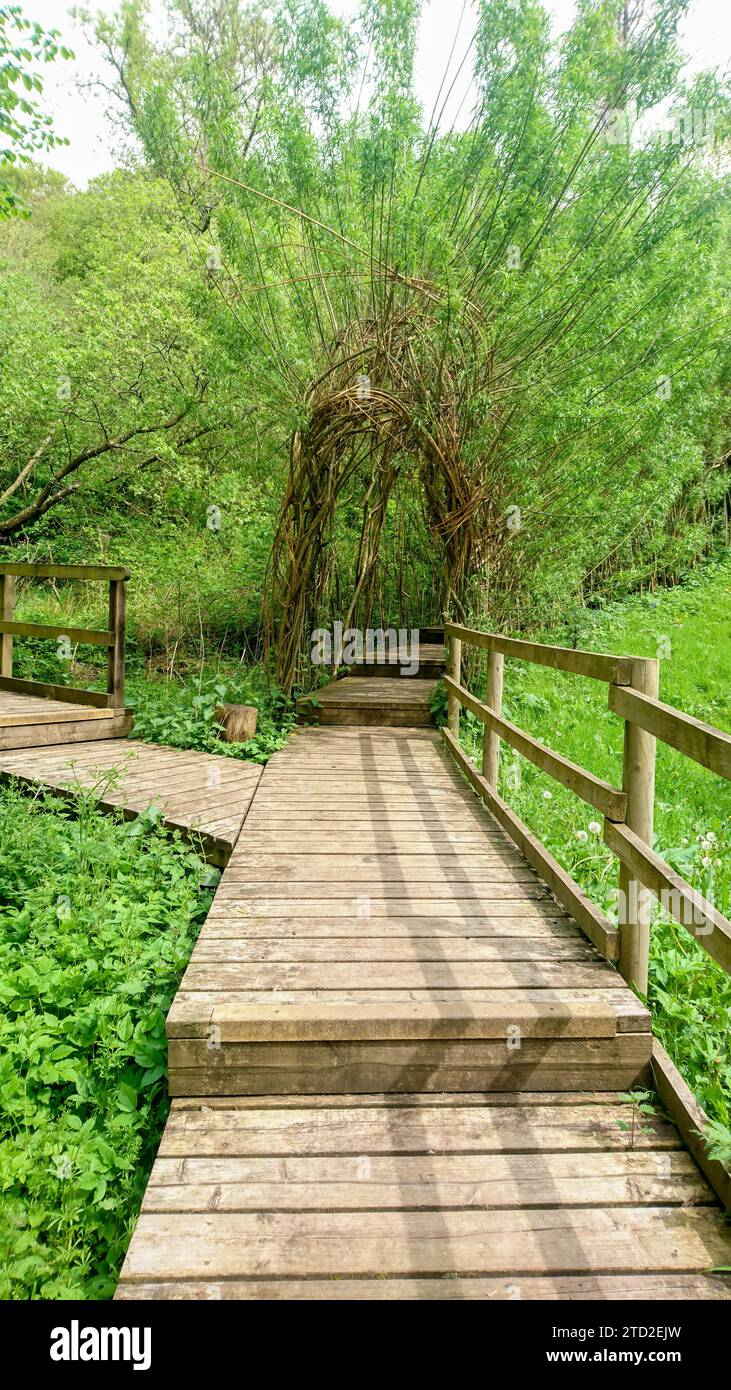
pixel 376 930
pixel 444 1197
pixel 204 795
pixel 31 721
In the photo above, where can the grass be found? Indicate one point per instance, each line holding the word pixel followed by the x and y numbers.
pixel 689 628
pixel 98 917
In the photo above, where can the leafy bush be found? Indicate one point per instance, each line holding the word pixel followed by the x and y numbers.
pixel 182 713
pixel 98 917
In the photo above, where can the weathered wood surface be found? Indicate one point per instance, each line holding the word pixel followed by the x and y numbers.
pixel 596 926
pixel 237 723
pixel 691 1119
pixel 206 796
pixel 43 571
pixel 350 950
pixel 444 1197
pixel 700 918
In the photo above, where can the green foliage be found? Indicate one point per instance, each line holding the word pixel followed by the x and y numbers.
pixel 98 917
pixel 113 391
pixel 24 129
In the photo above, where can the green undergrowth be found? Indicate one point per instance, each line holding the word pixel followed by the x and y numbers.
pixel 98 917
pixel 182 712
pixel 689 628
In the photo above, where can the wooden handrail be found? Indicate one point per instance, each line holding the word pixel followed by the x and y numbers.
pixel 700 918
pixel 95 637
pixel 593 790
pixel 628 814
pixel 697 740
pixel 112 637
pixel 598 666
pixel 45 571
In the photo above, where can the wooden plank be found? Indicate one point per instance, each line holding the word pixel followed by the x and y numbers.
pixel 461 891
pixel 94 637
pixel 691 1120
pixel 192 1011
pixel 592 922
pixel 428 1075
pixel 705 744
pixel 54 715
pixel 445 843
pixel 402 948
pixel 381 975
pixel 115 659
pixel 45 571
pixel 445 1181
pixel 493 698
pixel 638 781
pixel 7 607
pixel 320 1243
pixel 600 666
pixel 531 1101
pixel 218 925
pixel 31 735
pixel 292 1060
pixel 594 790
pixel 455 1020
pixel 362 908
pixel 688 907
pixel 474 870
pixel 630 1288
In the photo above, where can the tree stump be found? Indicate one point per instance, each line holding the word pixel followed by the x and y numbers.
pixel 237 722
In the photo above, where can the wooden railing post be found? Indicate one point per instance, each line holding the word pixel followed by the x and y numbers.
pixel 455 671
pixel 7 608
pixel 115 659
pixel 638 781
pixel 493 698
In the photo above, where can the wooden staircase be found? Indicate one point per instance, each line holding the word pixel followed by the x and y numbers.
pixel 392 688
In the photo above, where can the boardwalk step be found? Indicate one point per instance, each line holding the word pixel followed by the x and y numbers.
pixel 373 700
pixel 425 661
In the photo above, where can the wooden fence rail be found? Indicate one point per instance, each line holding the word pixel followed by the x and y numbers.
pixel 628 814
pixel 112 637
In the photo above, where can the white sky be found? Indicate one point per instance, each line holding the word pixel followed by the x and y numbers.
pixel 80 116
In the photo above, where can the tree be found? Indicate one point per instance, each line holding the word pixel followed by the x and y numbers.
pixel 24 128
pixel 110 380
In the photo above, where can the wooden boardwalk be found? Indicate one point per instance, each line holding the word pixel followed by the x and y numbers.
pixel 397 1062
pixel 203 795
